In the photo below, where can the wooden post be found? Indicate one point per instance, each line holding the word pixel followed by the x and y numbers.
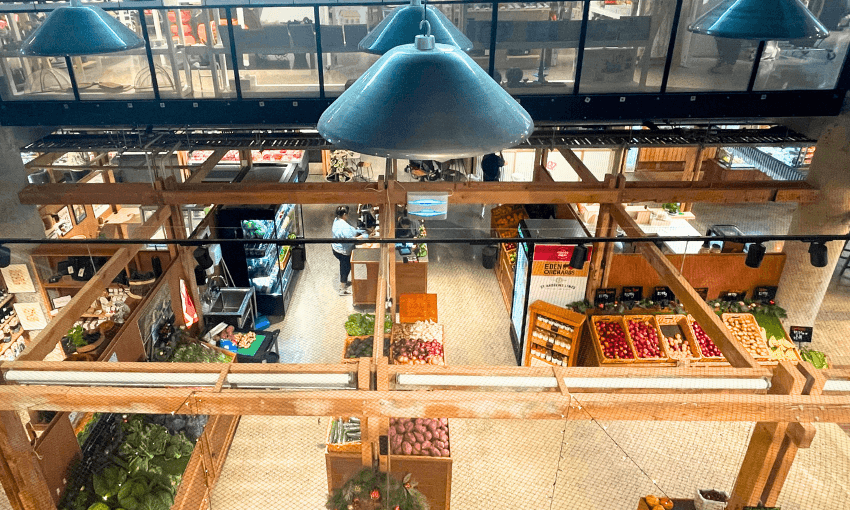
pixel 693 163
pixel 766 444
pixel 388 231
pixel 597 257
pixel 20 473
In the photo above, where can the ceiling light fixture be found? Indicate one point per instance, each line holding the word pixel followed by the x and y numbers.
pixel 425 101
pixel 755 254
pixel 760 20
pixel 402 25
pixel 579 257
pixel 79 30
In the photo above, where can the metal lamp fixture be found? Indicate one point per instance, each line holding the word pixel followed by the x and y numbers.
pixel 402 24
pixel 425 101
pixel 760 20
pixel 79 30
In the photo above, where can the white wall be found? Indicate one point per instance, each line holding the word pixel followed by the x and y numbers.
pixel 597 161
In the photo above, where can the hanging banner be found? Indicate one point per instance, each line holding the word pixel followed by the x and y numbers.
pixel 552 278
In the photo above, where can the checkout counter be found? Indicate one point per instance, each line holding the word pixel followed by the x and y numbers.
pixel 411 273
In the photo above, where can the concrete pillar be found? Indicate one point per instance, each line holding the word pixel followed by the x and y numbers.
pixel 16 220
pixel 802 287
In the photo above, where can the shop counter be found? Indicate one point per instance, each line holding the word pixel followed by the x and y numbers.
pixel 411 277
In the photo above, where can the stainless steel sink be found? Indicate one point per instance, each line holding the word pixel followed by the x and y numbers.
pixel 231 301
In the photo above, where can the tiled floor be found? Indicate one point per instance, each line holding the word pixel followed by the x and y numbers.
pixel 515 464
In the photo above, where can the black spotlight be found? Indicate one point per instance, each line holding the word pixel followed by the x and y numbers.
pixel 755 254
pixel 202 255
pixel 579 257
pixel 200 275
pixel 817 254
pixel 5 256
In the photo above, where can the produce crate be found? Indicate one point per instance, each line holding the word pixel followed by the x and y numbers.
pixel 746 320
pixel 393 434
pixel 352 447
pixel 672 323
pixel 506 217
pixel 397 335
pixel 703 356
pixel 597 341
pixel 350 339
pixel 663 354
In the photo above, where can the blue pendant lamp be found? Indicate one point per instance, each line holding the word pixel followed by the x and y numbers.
pixel 402 25
pixel 425 101
pixel 760 20
pixel 79 30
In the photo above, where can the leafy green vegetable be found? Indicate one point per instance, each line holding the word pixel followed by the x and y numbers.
pixel 816 358
pixel 360 324
pixel 193 352
pixel 84 434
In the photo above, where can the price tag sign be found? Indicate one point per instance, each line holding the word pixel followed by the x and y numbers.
pixel 766 295
pixel 632 294
pixel 734 295
pixel 663 294
pixel 703 293
pixel 605 296
pixel 800 334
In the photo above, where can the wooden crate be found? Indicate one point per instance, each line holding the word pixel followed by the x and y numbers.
pixel 596 341
pixel 542 310
pixel 350 339
pixel 506 217
pixel 353 447
pixel 664 355
pixel 680 322
pixel 396 332
pixel 748 319
pixel 433 474
pixel 703 357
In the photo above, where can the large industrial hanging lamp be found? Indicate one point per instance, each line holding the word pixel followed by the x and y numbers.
pixel 760 20
pixel 425 101
pixel 79 30
pixel 402 25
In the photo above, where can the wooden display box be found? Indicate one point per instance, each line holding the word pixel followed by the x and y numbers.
pixel 678 323
pixel 664 355
pixel 506 217
pixel 352 447
pixel 541 315
pixel 350 339
pixel 748 319
pixel 600 358
pixel 396 333
pixel 703 357
pixel 504 270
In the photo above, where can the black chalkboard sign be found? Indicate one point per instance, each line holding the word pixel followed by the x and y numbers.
pixel 632 294
pixel 800 334
pixel 605 296
pixel 765 295
pixel 702 292
pixel 730 295
pixel 663 294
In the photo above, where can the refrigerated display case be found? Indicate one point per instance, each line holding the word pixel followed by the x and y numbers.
pixel 266 267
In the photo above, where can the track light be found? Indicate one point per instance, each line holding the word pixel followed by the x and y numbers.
pixel 579 257
pixel 202 255
pixel 755 254
pixel 200 276
pixel 818 255
pixel 5 256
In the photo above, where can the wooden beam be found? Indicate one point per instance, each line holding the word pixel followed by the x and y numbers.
pixel 207 166
pixel 460 192
pixel 414 404
pixel 41 160
pixel 768 445
pixel 577 164
pixel 47 339
pixel 597 256
pixel 737 355
pixel 21 476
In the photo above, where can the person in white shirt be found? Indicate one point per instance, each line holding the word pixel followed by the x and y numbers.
pixel 342 251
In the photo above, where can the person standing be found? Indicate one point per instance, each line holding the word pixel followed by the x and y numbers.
pixel 342 251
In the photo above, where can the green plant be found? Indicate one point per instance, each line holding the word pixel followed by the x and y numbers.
pixel 194 352
pixel 372 485
pixel 75 336
pixel 672 208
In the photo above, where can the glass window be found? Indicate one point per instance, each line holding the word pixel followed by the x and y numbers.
pixel 118 74
pixel 191 53
pixel 276 50
pixel 626 46
pixel 701 62
pixel 28 78
pixel 477 18
pixel 343 28
pixel 537 45
pixel 795 65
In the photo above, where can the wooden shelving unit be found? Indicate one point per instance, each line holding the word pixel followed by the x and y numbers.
pixel 555 333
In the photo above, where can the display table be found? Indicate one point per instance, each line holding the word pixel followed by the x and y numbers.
pixel 417 307
pixel 251 355
pixel 411 277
